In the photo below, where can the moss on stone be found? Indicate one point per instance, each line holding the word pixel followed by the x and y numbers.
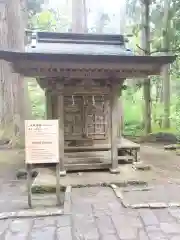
pixel 41 189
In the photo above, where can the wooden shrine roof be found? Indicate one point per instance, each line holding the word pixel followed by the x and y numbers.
pixel 67 54
pixel 80 48
pixel 80 44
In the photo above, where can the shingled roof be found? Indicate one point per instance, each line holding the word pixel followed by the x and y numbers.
pixel 70 43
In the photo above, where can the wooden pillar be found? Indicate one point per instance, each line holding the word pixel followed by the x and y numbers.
pixel 48 104
pixel 60 108
pixel 120 118
pixel 114 128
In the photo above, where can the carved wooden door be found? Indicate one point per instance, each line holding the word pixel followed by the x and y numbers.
pixel 73 117
pixel 85 117
pixel 96 116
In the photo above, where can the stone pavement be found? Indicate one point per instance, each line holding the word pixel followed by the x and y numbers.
pixel 166 194
pixel 96 214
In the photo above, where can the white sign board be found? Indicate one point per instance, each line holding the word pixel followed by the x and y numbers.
pixel 42 141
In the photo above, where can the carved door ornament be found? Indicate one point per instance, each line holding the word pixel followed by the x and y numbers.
pixel 86 117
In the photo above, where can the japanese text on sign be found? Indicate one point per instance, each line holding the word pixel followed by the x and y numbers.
pixel 42 141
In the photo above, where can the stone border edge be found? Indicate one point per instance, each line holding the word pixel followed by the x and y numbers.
pixel 30 213
pixel 155 205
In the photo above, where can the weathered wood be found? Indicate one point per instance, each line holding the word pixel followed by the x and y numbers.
pixel 48 104
pixel 121 144
pixel 87 166
pixel 86 118
pixel 125 143
pixel 79 90
pixel 29 180
pixel 58 184
pixel 114 128
pixel 61 132
pixel 88 68
pixel 116 74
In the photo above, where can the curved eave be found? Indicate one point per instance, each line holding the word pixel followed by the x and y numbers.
pixel 12 56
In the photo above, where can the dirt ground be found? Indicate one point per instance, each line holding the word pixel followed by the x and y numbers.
pixel 165 164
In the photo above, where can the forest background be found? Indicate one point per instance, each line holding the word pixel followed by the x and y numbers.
pixel 151 26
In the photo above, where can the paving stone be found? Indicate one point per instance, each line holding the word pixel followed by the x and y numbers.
pixel 45 233
pixel 157 236
pixel 81 207
pixel 110 237
pixel 4 225
pixel 148 217
pixel 175 237
pixel 153 228
pixel 132 220
pixel 127 232
pixel 44 221
pixel 105 225
pixel 64 233
pixel 96 215
pixel 90 233
pixel 19 228
pixel 163 215
pixel 142 235
pixel 175 212
pixel 155 233
pixel 16 236
pixel 170 228
pixel 64 221
pixel 85 226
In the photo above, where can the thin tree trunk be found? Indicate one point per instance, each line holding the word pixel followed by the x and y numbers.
pixel 145 44
pixel 165 71
pixel 85 16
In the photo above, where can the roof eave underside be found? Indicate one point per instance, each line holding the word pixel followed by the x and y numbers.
pixel 12 56
pixel 92 66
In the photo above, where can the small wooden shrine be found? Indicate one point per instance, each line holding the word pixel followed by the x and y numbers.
pixel 82 76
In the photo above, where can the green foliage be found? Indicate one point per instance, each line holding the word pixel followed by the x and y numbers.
pixel 37 98
pixel 59 20
pixel 44 21
pixel 133 115
pixel 50 20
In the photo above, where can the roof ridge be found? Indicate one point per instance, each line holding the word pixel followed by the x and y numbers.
pixel 88 38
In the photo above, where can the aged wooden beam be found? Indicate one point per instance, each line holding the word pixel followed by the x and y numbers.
pixel 80 74
pixel 60 108
pixel 48 98
pixel 114 128
pixel 80 90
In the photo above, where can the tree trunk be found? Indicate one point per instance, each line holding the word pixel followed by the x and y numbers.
pixel 145 45
pixel 85 16
pixel 77 16
pixel 165 71
pixel 6 111
pixel 16 42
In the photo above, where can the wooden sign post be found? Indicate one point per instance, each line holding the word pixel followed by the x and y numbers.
pixel 42 146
